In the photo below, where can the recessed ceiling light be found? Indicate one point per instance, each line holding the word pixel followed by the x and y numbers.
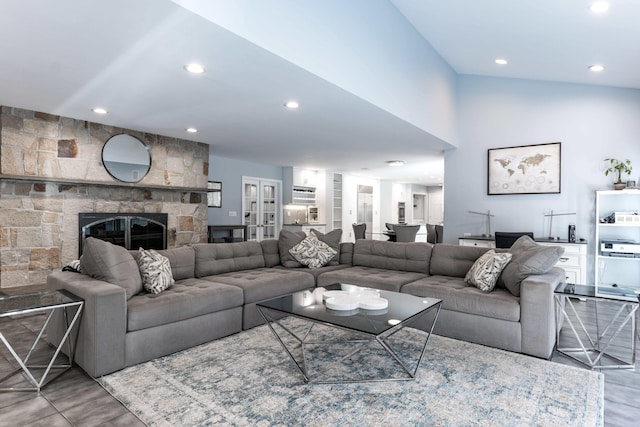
pixel 501 61
pixel 99 110
pixel 292 105
pixel 195 68
pixel 596 68
pixel 599 7
pixel 191 130
pixel 395 162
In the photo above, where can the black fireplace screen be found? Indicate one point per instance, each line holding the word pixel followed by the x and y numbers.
pixel 132 231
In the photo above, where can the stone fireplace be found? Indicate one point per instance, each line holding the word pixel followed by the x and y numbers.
pixel 51 170
pixel 129 230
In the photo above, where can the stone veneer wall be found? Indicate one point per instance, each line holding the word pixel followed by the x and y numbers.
pixel 51 170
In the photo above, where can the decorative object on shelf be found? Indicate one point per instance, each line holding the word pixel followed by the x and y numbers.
pixel 214 194
pixel 488 215
pixel 527 169
pixel 126 158
pixel 551 215
pixel 618 166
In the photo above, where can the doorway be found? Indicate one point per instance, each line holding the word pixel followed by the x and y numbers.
pixel 365 206
pixel 419 207
pixel 261 208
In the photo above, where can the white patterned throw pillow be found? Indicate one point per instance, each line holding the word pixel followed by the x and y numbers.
pixel 312 252
pixel 485 271
pixel 155 270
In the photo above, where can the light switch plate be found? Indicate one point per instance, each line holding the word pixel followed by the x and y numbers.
pixel 233 213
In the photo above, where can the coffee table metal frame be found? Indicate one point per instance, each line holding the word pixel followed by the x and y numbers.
pixel 66 300
pixel 595 355
pixel 381 338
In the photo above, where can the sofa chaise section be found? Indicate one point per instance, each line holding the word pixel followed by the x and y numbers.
pixel 523 324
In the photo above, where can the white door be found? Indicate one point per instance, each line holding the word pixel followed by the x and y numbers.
pixel 261 208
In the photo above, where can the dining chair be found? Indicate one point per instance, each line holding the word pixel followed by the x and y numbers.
pixel 359 230
pixel 406 233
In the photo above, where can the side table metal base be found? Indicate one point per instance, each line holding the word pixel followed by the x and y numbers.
pixel 51 370
pixel 595 355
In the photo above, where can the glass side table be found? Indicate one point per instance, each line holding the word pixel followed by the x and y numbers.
pixel 593 353
pixel 41 302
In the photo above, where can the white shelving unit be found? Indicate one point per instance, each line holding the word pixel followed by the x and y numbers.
pixel 337 201
pixel 617 274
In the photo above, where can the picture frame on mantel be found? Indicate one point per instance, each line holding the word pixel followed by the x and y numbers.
pixel 525 169
pixel 214 194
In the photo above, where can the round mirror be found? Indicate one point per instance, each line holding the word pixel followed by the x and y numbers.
pixel 126 158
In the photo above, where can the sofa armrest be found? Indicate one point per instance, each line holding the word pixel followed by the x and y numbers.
pixel 537 312
pixel 100 345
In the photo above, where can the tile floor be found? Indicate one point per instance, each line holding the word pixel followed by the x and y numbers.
pixel 75 399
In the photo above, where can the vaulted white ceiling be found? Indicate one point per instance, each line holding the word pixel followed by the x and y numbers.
pixel 68 56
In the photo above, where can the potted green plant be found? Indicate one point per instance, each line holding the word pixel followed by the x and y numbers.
pixel 618 166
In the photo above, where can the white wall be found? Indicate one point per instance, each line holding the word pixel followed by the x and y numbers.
pixel 591 122
pixel 395 68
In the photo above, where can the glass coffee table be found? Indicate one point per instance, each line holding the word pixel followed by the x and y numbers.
pixel 352 345
pixel 41 302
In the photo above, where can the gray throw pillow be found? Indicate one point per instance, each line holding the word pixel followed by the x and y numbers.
pixel 528 258
pixel 332 239
pixel 286 241
pixel 110 263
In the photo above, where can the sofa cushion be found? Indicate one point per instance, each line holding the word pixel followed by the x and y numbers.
pixel 182 260
pixel 155 270
pixel 312 252
pixel 528 258
pixel 111 263
pixel 286 241
pixel 390 280
pixel 315 272
pixel 263 283
pixel 219 258
pixel 270 252
pixel 346 253
pixel 332 239
pixel 485 271
pixel 456 295
pixel 186 299
pixel 409 257
pixel 453 260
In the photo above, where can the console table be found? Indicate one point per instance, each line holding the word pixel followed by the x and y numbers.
pixel 227 233
pixel 573 261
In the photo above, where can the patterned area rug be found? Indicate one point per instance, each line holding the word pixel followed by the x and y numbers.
pixel 248 380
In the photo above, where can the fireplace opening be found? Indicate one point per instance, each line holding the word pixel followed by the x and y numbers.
pixel 130 230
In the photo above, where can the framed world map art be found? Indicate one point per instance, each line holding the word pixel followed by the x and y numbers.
pixel 527 169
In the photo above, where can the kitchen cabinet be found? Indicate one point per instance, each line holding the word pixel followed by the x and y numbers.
pixel 305 227
pixel 296 193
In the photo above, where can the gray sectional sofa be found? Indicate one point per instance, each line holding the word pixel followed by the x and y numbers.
pixel 218 285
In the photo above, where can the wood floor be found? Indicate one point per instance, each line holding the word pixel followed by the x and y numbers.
pixel 75 399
